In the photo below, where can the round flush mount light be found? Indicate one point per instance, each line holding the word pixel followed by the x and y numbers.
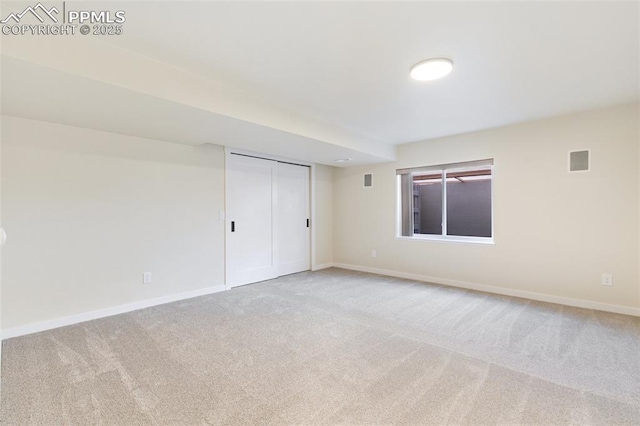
pixel 343 160
pixel 431 69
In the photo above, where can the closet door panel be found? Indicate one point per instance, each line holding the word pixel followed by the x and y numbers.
pixel 251 220
pixel 293 241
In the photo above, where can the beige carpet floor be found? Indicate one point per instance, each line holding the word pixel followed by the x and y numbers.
pixel 331 347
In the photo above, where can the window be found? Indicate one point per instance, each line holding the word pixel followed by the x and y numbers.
pixel 447 202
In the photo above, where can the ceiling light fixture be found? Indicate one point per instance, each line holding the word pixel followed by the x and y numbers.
pixel 343 160
pixel 431 69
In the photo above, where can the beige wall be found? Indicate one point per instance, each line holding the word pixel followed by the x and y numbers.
pixel 323 206
pixel 88 212
pixel 555 232
pixel 0 257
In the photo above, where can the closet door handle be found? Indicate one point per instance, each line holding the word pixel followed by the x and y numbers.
pixel 307 223
pixel 233 226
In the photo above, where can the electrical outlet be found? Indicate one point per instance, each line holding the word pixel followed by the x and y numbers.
pixel 607 279
pixel 374 253
pixel 146 278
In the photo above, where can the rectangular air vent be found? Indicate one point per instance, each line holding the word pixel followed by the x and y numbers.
pixel 368 180
pixel 579 161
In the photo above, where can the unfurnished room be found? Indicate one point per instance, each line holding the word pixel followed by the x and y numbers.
pixel 319 213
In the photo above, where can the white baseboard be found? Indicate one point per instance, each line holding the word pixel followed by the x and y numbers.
pixel 578 303
pixel 107 312
pixel 121 309
pixel 322 266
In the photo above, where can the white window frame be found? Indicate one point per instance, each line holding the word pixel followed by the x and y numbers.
pixel 444 169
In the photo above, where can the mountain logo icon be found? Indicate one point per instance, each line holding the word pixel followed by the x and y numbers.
pixel 33 10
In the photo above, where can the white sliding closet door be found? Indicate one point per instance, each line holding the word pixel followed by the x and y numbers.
pixel 293 241
pixel 251 216
pixel 268 230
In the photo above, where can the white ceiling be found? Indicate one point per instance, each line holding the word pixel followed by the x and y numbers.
pixel 348 62
pixel 46 94
pixel 337 73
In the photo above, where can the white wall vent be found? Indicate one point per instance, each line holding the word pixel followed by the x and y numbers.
pixel 368 180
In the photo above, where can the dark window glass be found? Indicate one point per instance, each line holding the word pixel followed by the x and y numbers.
pixel 427 203
pixel 453 201
pixel 469 203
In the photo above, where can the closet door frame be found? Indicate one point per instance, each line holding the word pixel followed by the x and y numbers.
pixel 312 201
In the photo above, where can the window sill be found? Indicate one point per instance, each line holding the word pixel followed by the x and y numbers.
pixel 449 239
